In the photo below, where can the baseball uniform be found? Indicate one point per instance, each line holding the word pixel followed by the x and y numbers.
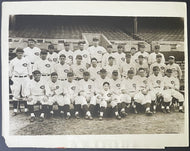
pixel 78 70
pixel 69 56
pixel 176 70
pixel 94 72
pixel 162 67
pixel 152 58
pixel 105 59
pixel 125 67
pixel 85 56
pixel 110 69
pixel 120 58
pixel 53 58
pixel 144 54
pixel 143 65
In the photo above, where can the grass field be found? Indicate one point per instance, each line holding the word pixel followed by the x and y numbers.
pixel 159 123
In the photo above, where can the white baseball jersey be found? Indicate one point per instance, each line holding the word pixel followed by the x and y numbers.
pixel 86 86
pixel 162 67
pixel 70 88
pixel 19 67
pixel 85 56
pixel 53 88
pixel 143 83
pixel 97 52
pixel 110 69
pixel 171 82
pixel 120 58
pixel 107 95
pixel 44 66
pixel 53 58
pixel 36 88
pixel 125 67
pixel 115 85
pixel 144 54
pixel 99 83
pixel 32 54
pixel 130 85
pixel 156 81
pixel 143 65
pixel 94 72
pixel 152 58
pixel 61 70
pixel 105 58
pixel 69 56
pixel 78 70
pixel 176 70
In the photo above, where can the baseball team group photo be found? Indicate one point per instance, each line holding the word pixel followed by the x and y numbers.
pixel 76 75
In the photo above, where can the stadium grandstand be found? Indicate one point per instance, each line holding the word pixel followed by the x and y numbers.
pixel 168 32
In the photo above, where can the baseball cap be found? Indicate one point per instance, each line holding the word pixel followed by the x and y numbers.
pixel 171 57
pixel 109 46
pixel 141 44
pixel 31 40
pixel 70 74
pixel 140 56
pixel 106 83
pixel 54 74
pixel 86 73
pixel 169 70
pixel 36 72
pixel 133 48
pixel 79 57
pixel 95 39
pixel 66 44
pixel 19 50
pixel 130 72
pixel 156 68
pixel 62 55
pixel 157 46
pixel 119 46
pixel 81 42
pixel 43 52
pixel 103 71
pixel 158 56
pixel 51 47
pixel 111 57
pixel 93 59
pixel 128 55
pixel 115 73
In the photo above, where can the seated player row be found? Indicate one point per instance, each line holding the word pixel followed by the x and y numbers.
pixel 134 91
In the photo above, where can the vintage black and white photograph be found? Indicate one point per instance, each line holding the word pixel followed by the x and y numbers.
pixel 96 75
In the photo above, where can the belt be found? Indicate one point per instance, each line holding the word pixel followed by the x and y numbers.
pixel 21 76
pixel 45 74
pixel 62 79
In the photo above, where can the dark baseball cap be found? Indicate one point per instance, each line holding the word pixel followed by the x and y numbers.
pixel 171 57
pixel 103 71
pixel 115 73
pixel 62 55
pixel 54 74
pixel 141 44
pixel 120 46
pixel 156 68
pixel 86 73
pixel 95 39
pixel 70 74
pixel 36 72
pixel 31 40
pixel 19 50
pixel 111 57
pixel 169 70
pixel 79 57
pixel 43 52
pixel 66 44
pixel 51 47
pixel 140 56
pixel 109 46
pixel 130 72
pixel 158 56
pixel 157 46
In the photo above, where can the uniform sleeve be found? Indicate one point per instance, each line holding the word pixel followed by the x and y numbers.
pixel 179 71
pixel 163 58
pixel 150 59
pixel 11 68
pixel 177 84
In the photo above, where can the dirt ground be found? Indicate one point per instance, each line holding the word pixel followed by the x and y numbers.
pixel 159 123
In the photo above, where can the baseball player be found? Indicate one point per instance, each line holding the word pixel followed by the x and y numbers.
pixel 84 53
pixel 61 68
pixel 107 100
pixel 94 69
pixel 176 70
pixel 120 55
pixel 56 94
pixel 52 56
pixel 70 88
pixel 142 63
pixel 156 83
pixel 108 54
pixel 127 65
pixel 44 66
pixel 78 68
pixel 36 94
pixel 129 89
pixel 152 56
pixel 31 52
pixel 171 90
pixel 19 73
pixel 143 97
pixel 133 51
pixel 68 53
pixel 110 67
pixel 141 51
pixel 96 51
pixel 158 63
pixel 115 86
pixel 86 95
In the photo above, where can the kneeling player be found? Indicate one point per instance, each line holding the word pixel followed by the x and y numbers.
pixel 36 95
pixel 54 91
pixel 86 95
pixel 106 99
pixel 171 90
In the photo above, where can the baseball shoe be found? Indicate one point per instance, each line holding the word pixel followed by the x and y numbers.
pixel 135 111
pixel 32 118
pixel 124 114
pixel 41 119
pixel 163 110
pixel 148 113
pixel 14 113
pixel 67 117
pixel 154 111
pixel 90 117
pixel 86 117
pixel 118 117
pixel 181 111
pixel 77 116
pixel 100 118
pixel 167 110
